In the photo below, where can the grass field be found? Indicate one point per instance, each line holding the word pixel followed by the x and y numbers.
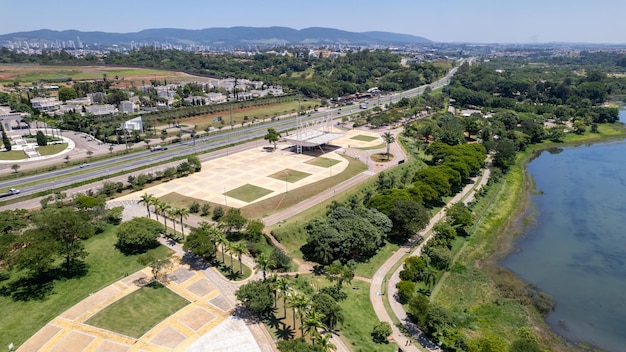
pixel 51 149
pixel 140 311
pixel 374 147
pixel 248 193
pixel 364 138
pixel 289 175
pixel 323 162
pixel 13 155
pixel 21 319
pixel 27 74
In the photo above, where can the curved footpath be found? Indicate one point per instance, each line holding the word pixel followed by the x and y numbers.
pixel 380 288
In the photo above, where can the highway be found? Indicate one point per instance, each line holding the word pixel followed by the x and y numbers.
pixel 47 181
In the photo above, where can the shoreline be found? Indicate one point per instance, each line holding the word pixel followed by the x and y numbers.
pixel 517 223
pixel 494 239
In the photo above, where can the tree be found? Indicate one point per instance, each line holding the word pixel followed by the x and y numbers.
pixel 239 249
pixel 389 138
pixel 272 136
pixel 299 303
pixel 233 220
pixel 200 242
pixel 257 297
pixel 138 235
pixel 331 310
pixel 406 290
pixel 182 213
pixel 325 344
pixel 263 263
pixel 285 291
pixel 381 332
pixel 67 227
pixel 15 167
pixel 459 215
pixel 42 140
pixel 418 308
pixel 163 209
pixel 223 242
pixel 148 200
pixel 312 322
pixel 157 265
pixel 67 93
pixel 408 217
pixel 6 141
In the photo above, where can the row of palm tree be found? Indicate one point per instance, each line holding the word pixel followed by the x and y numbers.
pixel 217 237
pixel 161 208
pixel 311 321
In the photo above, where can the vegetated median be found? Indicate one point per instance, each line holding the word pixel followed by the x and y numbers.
pixel 500 302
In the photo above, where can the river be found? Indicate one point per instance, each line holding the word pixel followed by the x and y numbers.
pixel 575 248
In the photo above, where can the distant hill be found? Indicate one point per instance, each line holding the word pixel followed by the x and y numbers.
pixel 234 36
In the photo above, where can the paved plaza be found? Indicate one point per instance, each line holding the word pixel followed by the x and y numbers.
pixel 255 167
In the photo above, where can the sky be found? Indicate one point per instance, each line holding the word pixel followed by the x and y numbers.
pixel 475 21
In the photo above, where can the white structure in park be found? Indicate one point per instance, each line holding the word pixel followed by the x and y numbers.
pixel 135 124
pixel 127 107
pixel 313 133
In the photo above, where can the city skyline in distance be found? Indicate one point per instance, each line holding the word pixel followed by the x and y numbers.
pixel 468 21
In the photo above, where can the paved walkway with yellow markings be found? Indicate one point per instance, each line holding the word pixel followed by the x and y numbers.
pixel 70 332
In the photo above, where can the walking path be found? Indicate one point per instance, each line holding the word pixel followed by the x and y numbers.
pixel 381 288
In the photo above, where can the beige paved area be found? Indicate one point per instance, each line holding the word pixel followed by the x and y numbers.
pixel 70 332
pixel 254 167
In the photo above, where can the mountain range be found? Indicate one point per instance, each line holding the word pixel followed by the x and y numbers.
pixel 233 36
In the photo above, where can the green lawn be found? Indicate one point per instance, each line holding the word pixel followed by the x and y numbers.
pixel 323 162
pixel 13 155
pixel 290 175
pixel 364 138
pixel 368 268
pixel 248 193
pixel 360 319
pixel 375 147
pixel 52 149
pixel 140 311
pixel 21 319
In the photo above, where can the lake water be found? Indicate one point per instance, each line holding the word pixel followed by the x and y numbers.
pixel 576 248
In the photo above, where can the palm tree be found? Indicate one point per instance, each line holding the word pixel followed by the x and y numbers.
pixel 300 302
pixel 239 249
pixel 263 263
pixel 283 285
pixel 273 285
pixel 223 241
pixel 147 200
pixel 230 247
pixel 164 209
pixel 429 276
pixel 389 138
pixel 183 213
pixel 325 343
pixel 312 322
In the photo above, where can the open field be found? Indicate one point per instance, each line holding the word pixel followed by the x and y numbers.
pixel 137 313
pixel 126 76
pixel 21 319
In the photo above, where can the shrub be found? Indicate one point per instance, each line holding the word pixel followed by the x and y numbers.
pixel 381 331
pixel 194 208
